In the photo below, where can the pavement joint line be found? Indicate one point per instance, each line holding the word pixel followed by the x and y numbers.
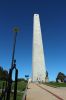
pixel 51 92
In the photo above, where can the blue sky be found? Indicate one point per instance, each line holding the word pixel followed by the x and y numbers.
pixel 53 25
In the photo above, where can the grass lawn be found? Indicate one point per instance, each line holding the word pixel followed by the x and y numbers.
pixel 19 96
pixel 20 87
pixel 1 83
pixel 54 84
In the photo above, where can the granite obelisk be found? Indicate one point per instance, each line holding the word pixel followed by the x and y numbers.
pixel 38 60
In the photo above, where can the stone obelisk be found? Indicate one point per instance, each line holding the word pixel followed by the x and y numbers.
pixel 38 60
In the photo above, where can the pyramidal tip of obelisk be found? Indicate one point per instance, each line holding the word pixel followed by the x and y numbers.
pixel 38 58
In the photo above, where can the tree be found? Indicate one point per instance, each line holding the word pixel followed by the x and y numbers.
pixel 60 77
pixel 5 75
pixel 1 73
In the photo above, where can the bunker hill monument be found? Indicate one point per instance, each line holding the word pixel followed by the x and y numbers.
pixel 38 60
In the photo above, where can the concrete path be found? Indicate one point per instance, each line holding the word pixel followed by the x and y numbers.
pixel 43 92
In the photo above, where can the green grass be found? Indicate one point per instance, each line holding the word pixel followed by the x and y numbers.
pixel 21 86
pixel 19 96
pixel 54 84
pixel 1 83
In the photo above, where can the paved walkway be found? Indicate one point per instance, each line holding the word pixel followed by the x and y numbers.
pixel 43 92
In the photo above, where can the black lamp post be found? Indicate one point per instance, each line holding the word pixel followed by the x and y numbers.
pixel 13 65
pixel 14 44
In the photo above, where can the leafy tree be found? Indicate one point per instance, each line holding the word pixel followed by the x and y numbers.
pixel 5 75
pixel 1 73
pixel 60 77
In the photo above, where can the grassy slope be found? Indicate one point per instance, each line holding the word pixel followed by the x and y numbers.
pixel 56 84
pixel 20 87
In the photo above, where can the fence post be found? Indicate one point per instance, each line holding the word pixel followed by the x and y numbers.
pixel 9 85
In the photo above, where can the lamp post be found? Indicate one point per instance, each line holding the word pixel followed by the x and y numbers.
pixel 15 30
pixel 13 65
